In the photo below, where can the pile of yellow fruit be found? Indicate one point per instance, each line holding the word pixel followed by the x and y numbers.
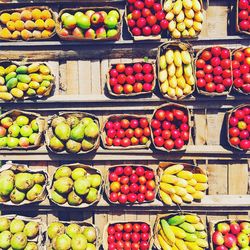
pixel 176 74
pixel 185 17
pixel 179 185
pixel 27 24
pixel 184 232
pixel 17 82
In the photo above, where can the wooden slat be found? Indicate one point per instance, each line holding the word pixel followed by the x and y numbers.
pixel 62 78
pixel 72 77
pixel 54 66
pixel 95 77
pixel 237 178
pixel 84 70
pixel 217 179
pixel 104 72
pixel 200 127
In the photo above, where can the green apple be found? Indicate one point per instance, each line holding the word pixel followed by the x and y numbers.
pixel 110 21
pixel 83 22
pixel 114 13
pixel 112 32
pixel 242 240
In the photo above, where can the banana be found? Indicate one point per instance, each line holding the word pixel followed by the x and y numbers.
pixel 167 188
pixel 186 57
pixel 176 198
pixel 199 226
pixel 202 243
pixel 190 189
pixel 187 198
pixel 192 182
pixel 181 244
pixel 201 186
pixel 164 245
pixel 167 231
pixel 174 169
pixel 178 232
pixel 190 237
pixel 198 195
pixel 166 198
pixel 193 246
pixel 180 191
pixel 187 227
pixel 184 174
pixel 191 218
pixel 200 178
pixel 176 220
pixel 181 183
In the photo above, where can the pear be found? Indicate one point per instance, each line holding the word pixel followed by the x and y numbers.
pixel 63 242
pixel 92 130
pixel 77 173
pixel 5 238
pixel 92 195
pixel 57 120
pixel 17 196
pixel 73 229
pixel 73 146
pixel 95 180
pixel 87 145
pixel 63 185
pixel 19 241
pixel 72 121
pixel 24 181
pixel 90 234
pixel 79 242
pixel 82 186
pixel 86 121
pixel 16 226
pixel 56 144
pixel 90 246
pixel 34 192
pixel 7 173
pixel 4 224
pixel 39 178
pixel 74 199
pixel 62 131
pixel 62 172
pixel 31 246
pixel 31 229
pixel 55 229
pixel 77 133
pixel 58 198
pixel 7 184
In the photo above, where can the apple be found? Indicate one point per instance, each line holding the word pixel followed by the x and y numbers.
pixel 242 240
pixel 235 228
pixel 229 240
pixel 245 227
pixel 96 18
pixel 101 33
pixel 218 238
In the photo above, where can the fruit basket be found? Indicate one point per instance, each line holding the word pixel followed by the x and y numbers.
pixel 214 71
pixel 229 234
pixel 100 27
pixel 176 73
pixel 76 186
pixel 114 135
pixel 20 232
pixel 74 234
pixel 137 188
pixel 175 120
pixel 133 231
pixel 73 132
pixel 241 72
pixel 185 18
pixel 181 182
pixel 21 186
pixel 23 23
pixel 147 25
pixel 238 127
pixel 31 131
pixel 182 230
pixel 242 17
pixel 131 79
pixel 25 81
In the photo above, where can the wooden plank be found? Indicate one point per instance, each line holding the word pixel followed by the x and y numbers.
pixel 214 127
pixel 237 178
pixel 104 72
pixel 84 71
pixel 217 179
pixel 95 77
pixel 72 77
pixel 62 78
pixel 54 66
pixel 200 127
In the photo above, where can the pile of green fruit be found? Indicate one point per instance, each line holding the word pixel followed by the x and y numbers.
pixel 18 82
pixel 20 130
pixel 76 185
pixel 17 233
pixel 73 133
pixel 18 187
pixel 185 232
pixel 73 236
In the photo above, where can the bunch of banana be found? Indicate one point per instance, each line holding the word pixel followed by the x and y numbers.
pixel 182 232
pixel 179 185
pixel 176 73
pixel 185 17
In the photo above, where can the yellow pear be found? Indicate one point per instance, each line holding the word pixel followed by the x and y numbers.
pixel 189 13
pixel 191 32
pixel 178 92
pixel 187 4
pixel 187 90
pixel 196 5
pixel 164 87
pixel 198 17
pixel 179 71
pixel 180 17
pixel 169 56
pixel 188 22
pixel 172 81
pixel 197 26
pixel 163 75
pixel 185 57
pixel 172 25
pixel 181 82
pixel 171 92
pixel 171 69
pixel 176 34
pixel 168 5
pixel 177 7
pixel 177 58
pixel 181 26
pixel 170 16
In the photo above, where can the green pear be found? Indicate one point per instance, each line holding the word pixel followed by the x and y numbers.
pixel 17 196
pixel 5 238
pixel 31 229
pixel 87 145
pixel 63 185
pixel 7 184
pixel 62 131
pixel 73 146
pixel 24 181
pixel 92 130
pixel 79 242
pixel 62 172
pixel 77 133
pixel 34 192
pixel 73 229
pixel 95 180
pixel 72 121
pixel 55 229
pixel 19 241
pixel 4 224
pixel 86 121
pixel 92 195
pixel 63 242
pixel 74 199
pixel 56 144
pixel 31 246
pixel 58 198
pixel 81 186
pixel 57 120
pixel 16 226
pixel 90 234
pixel 77 173
pixel 39 178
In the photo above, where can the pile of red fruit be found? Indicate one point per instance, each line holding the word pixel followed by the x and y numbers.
pixel 132 78
pixel 243 15
pixel 231 235
pixel 241 72
pixel 213 71
pixel 127 236
pixel 125 131
pixel 130 184
pixel 239 128
pixel 170 129
pixel 146 17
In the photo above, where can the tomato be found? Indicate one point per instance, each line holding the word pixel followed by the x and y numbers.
pixel 200 74
pixel 206 55
pixel 225 53
pixel 120 68
pixel 128 227
pixel 235 64
pixel 208 69
pixel 160 115
pixel 239 56
pixel 216 51
pixel 124 123
pixel 210 87
pixel 200 63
